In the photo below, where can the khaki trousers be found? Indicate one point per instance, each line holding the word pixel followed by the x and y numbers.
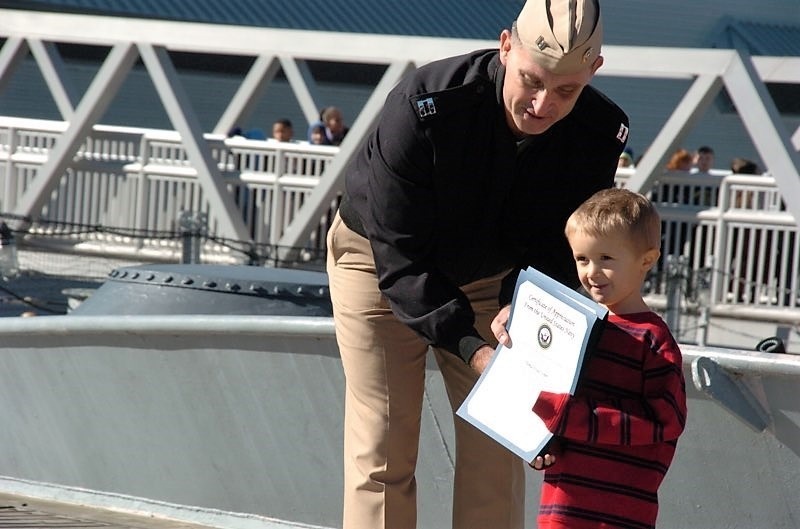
pixel 384 367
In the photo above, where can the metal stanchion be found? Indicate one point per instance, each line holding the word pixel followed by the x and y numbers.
pixel 676 272
pixel 194 228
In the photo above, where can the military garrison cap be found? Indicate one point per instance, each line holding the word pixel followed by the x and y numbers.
pixel 563 36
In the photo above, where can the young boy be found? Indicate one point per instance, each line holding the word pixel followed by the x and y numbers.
pixel 617 435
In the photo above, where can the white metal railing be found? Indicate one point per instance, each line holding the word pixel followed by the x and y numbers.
pixel 734 237
pixel 738 244
pixel 708 71
pixel 756 245
pixel 142 180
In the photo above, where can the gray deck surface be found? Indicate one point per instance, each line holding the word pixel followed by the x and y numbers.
pixel 47 280
pixel 19 512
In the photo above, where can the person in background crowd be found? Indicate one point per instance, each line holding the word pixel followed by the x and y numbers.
pixel 703 159
pixel 625 160
pixel 250 134
pixel 335 129
pixel 681 160
pixel 744 199
pixel 742 284
pixel 282 130
pixel 744 166
pixel 332 122
pixel 316 134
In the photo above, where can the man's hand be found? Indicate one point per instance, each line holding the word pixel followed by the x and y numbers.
pixel 499 326
pixel 481 358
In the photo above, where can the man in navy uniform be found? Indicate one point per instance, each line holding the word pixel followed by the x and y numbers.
pixel 469 176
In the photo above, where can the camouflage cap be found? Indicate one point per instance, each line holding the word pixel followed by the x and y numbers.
pixel 563 36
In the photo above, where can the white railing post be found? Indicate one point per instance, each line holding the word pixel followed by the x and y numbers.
pixel 675 279
pixel 702 288
pixel 140 210
pixel 280 196
pixel 276 223
pixel 718 276
pixel 9 199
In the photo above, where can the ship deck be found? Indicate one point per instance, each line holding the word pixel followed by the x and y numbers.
pixel 22 512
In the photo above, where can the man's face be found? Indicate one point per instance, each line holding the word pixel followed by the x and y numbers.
pixel 281 132
pixel 535 98
pixel 704 161
pixel 335 123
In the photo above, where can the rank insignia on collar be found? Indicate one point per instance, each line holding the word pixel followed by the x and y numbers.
pixel 622 135
pixel 426 107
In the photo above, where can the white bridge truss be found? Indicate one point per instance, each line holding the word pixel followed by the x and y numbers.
pixel 80 171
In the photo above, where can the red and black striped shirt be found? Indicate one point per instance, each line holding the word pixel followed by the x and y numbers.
pixel 618 433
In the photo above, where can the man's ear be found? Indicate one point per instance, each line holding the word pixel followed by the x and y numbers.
pixel 598 62
pixel 505 46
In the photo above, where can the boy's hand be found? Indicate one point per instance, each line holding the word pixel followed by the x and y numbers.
pixel 543 462
pixel 547 457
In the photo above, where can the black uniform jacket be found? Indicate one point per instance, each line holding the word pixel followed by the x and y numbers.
pixel 447 195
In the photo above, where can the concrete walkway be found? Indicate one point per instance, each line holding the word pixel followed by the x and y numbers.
pixel 19 512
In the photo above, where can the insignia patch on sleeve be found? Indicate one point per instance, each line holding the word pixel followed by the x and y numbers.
pixel 622 135
pixel 426 107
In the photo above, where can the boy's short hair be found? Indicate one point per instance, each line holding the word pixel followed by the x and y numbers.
pixel 618 211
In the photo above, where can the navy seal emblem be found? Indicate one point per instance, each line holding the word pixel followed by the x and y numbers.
pixel 545 336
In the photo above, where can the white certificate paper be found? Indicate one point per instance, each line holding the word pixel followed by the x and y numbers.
pixel 550 327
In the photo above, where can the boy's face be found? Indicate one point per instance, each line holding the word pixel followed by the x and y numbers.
pixel 612 270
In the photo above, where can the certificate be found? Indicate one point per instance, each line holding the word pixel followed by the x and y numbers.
pixel 551 326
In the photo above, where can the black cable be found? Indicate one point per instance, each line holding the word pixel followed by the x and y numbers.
pixel 30 303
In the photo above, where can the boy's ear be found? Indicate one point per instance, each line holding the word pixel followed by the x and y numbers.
pixel 650 258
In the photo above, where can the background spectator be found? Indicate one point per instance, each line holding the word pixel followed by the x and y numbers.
pixel 742 285
pixel 744 166
pixel 282 130
pixel 335 129
pixel 333 126
pixel 744 199
pixel 316 134
pixel 250 134
pixel 681 161
pixel 703 159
